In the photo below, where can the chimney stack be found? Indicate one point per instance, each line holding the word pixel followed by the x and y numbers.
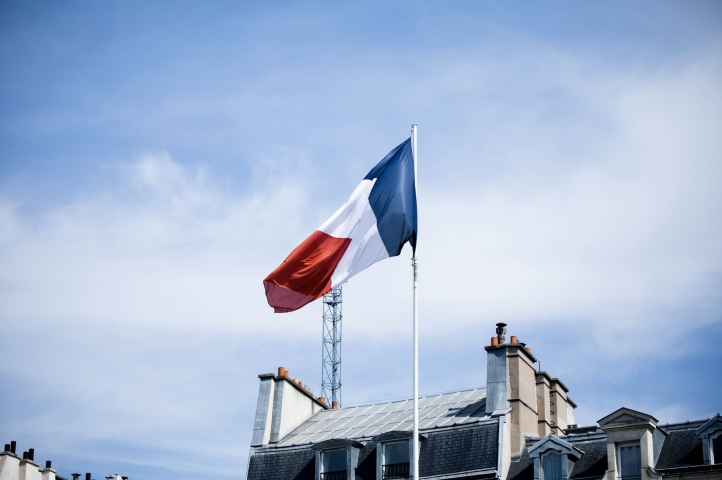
pixel 511 384
pixel 283 404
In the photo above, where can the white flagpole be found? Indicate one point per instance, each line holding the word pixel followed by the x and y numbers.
pixel 415 438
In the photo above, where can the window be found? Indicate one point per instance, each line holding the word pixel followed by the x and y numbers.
pixel 396 460
pixel 552 466
pixel 715 447
pixel 630 462
pixel 333 463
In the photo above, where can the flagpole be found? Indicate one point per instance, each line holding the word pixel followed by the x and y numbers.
pixel 415 438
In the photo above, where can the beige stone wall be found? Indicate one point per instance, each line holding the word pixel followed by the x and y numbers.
pixel 543 404
pixel 521 397
pixel 557 408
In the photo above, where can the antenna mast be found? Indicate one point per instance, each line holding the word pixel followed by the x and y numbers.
pixel 331 348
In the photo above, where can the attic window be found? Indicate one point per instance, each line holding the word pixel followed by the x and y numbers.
pixel 715 447
pixel 333 465
pixel 396 460
pixel 551 466
pixel 630 462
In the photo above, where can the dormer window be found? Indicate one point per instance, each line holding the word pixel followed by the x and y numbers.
pixel 337 459
pixel 715 444
pixel 630 462
pixel 333 465
pixel 396 460
pixel 711 435
pixel 553 458
pixel 551 466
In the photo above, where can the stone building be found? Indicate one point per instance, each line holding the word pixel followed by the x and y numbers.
pixel 14 467
pixel 520 427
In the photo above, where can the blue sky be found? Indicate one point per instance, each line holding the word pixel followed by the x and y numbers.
pixel 157 161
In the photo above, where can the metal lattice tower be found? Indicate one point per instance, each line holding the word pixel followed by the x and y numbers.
pixel 331 349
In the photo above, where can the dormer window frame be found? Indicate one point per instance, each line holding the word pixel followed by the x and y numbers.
pixel 344 470
pixel 393 437
pixel 384 462
pixel 618 447
pixel 542 459
pixel 551 443
pixel 710 430
pixel 352 449
pixel 711 438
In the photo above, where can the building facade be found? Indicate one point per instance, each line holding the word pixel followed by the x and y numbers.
pixel 520 427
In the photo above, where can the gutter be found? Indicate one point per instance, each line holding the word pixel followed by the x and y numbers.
pixel 470 474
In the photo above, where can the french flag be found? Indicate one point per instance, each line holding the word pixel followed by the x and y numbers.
pixel 374 224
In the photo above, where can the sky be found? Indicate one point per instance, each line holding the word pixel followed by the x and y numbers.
pixel 159 159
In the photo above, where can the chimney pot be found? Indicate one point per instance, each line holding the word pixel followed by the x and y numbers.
pixel 12 446
pixel 301 384
pixel 501 332
pixel 514 339
pixel 334 405
pixel 25 455
pixel 295 380
pixel 494 341
pixel 322 400
pixel 281 371
pixel 76 476
pixel 528 349
pixel 48 463
pixel 87 476
pixel 31 454
pixel 7 447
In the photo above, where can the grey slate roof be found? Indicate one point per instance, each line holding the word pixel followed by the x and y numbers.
pixel 284 465
pixel 459 450
pixel 464 407
pixel 593 463
pixel 463 449
pixel 522 468
pixel 681 448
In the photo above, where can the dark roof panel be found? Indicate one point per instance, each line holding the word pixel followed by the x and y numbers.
pixel 681 448
pixel 459 450
pixel 288 465
pixel 594 461
pixel 523 468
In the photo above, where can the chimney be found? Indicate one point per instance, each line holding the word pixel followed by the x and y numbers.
pixel 282 406
pixel 12 446
pixel 510 378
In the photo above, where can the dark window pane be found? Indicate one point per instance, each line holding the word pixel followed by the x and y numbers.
pixel 630 462
pixel 396 452
pixel 717 449
pixel 552 463
pixel 334 460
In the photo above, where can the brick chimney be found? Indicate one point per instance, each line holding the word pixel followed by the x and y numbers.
pixel 539 404
pixel 282 406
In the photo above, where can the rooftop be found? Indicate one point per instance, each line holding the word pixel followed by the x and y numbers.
pixel 435 411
